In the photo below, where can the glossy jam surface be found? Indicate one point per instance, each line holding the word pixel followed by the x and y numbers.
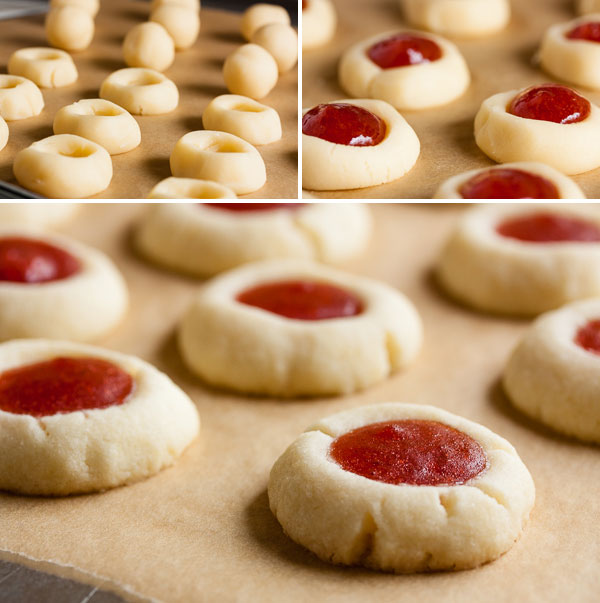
pixel 243 206
pixel 303 300
pixel 63 385
pixel 507 183
pixel 24 260
pixel 343 123
pixel 412 451
pixel 588 337
pixel 550 102
pixel 586 31
pixel 402 50
pixel 546 227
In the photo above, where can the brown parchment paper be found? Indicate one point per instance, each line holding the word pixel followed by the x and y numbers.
pixel 202 530
pixel 197 73
pixel 501 62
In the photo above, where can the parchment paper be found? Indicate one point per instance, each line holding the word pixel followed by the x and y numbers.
pixel 501 62
pixel 197 73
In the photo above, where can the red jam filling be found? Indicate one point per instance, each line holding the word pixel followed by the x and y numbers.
pixel 506 183
pixel 586 31
pixel 402 50
pixel 550 102
pixel 412 451
pixel 549 228
pixel 588 337
pixel 303 300
pixel 30 261
pixel 63 385
pixel 344 123
pixel 243 206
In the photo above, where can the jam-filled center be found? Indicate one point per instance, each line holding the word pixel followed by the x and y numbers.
pixel 303 300
pixel 550 102
pixel 344 123
pixel 546 227
pixel 508 183
pixel 63 385
pixel 24 260
pixel 243 206
pixel 410 451
pixel 404 49
pixel 588 337
pixel 586 31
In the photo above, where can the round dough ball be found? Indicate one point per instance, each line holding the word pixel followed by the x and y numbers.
pixel 46 67
pixel 36 215
pixel 101 121
pixel 20 98
pixel 192 4
pixel 319 21
pixel 349 519
pixel 282 43
pixel 250 71
pixel 69 28
pixel 64 167
pixel 585 7
pixel 245 348
pixel 219 156
pixel 244 117
pixel 190 188
pixel 149 45
pixel 262 14
pixel 92 450
pixel 3 133
pixel 141 91
pixel 181 23
pixel 91 6
pixel 204 240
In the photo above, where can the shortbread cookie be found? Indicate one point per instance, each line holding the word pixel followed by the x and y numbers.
pixel 281 41
pixel 524 180
pixel 548 123
pixel 46 67
pixel 36 215
pixel 402 488
pixel 523 259
pixel 460 18
pixel 319 22
pixel 77 418
pixel 3 133
pixel 250 70
pixel 190 188
pixel 181 22
pixel 261 14
pixel 205 239
pixel 552 375
pixel 149 45
pixel 70 28
pixel 585 7
pixel 354 144
pixel 20 98
pixel 408 69
pixel 290 328
pixel 91 6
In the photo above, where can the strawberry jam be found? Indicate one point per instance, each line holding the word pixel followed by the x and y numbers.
pixel 63 385
pixel 410 451
pixel 590 32
pixel 243 206
pixel 402 50
pixel 24 260
pixel 303 300
pixel 588 337
pixel 546 227
pixel 507 183
pixel 344 123
pixel 550 102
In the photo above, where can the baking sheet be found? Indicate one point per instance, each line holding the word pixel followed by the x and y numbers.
pixel 501 62
pixel 202 530
pixel 197 73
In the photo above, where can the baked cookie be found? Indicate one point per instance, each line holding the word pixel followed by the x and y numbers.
pixel 54 287
pixel 523 259
pixel 319 21
pixel 524 180
pixel 411 70
pixel 290 328
pixel 355 144
pixel 403 488
pixel 205 239
pixel 38 215
pixel 548 123
pixel 76 418
pixel 552 375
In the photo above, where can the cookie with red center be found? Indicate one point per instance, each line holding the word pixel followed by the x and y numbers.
pixel 403 488
pixel 523 259
pixel 319 22
pixel 76 418
pixel 411 70
pixel 289 328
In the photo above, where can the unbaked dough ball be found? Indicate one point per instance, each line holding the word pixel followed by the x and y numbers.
pixel 20 98
pixel 282 43
pixel 70 28
pixel 149 45
pixel 64 167
pixel 3 133
pixel 91 6
pixel 37 215
pixel 190 188
pixel 194 4
pixel 319 21
pixel 251 71
pixel 290 328
pixel 46 67
pixel 262 14
pixel 181 23
pixel 585 7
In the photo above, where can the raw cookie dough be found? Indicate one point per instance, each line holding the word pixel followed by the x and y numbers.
pixel 250 70
pixel 70 28
pixel 93 449
pixel 92 6
pixel 37 215
pixel 348 519
pixel 190 188
pixel 203 240
pixel 64 166
pixel 281 41
pixel 181 23
pixel 46 67
pixel 149 45
pixel 416 86
pixel 553 378
pixel 20 98
pixel 3 133
pixel 231 344
pixel 330 166
pixel 262 14
pixel 319 21
pixel 518 276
